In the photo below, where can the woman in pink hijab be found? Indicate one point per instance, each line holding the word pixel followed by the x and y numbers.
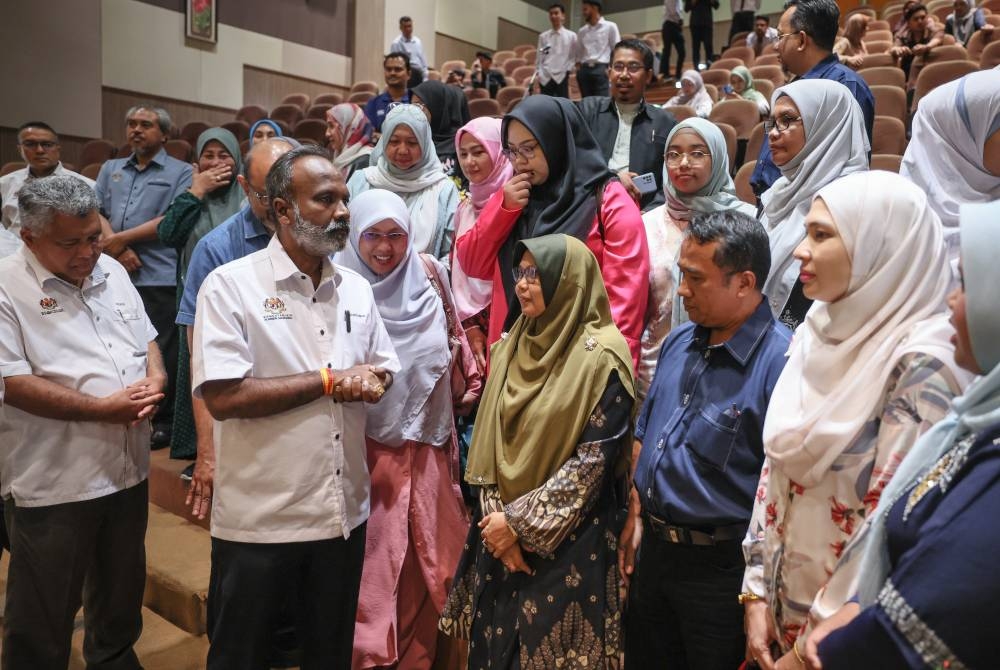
pixel 479 147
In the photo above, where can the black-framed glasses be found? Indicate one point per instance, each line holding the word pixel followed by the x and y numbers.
pixel 632 67
pixel 675 158
pixel 781 124
pixel 46 145
pixel 528 273
pixel 372 236
pixel 525 151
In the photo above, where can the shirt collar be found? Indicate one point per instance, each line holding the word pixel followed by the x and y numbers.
pixel 744 342
pixel 159 159
pixel 821 66
pixel 285 268
pixel 612 107
pixel 252 227
pixel 44 276
pixel 60 170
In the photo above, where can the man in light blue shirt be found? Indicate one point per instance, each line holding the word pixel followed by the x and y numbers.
pixel 409 43
pixel 134 193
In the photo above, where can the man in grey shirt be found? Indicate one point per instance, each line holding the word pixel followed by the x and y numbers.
pixel 409 43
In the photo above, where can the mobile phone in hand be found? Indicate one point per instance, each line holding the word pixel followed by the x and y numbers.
pixel 645 183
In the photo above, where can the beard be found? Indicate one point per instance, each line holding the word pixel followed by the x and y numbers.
pixel 318 241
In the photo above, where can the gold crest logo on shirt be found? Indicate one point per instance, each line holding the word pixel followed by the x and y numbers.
pixel 274 308
pixel 49 306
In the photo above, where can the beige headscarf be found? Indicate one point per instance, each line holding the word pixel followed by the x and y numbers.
pixel 843 354
pixel 548 373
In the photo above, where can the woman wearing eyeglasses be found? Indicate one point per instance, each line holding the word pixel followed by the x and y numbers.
pixel 561 184
pixel 695 179
pixel 817 134
pixel 404 161
pixel 418 524
pixel 537 585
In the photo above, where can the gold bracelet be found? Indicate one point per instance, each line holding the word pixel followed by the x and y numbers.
pixel 795 648
pixel 746 597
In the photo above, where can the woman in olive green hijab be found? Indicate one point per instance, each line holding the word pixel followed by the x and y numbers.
pixel 540 571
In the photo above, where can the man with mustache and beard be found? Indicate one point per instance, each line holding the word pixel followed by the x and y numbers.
pixel 287 349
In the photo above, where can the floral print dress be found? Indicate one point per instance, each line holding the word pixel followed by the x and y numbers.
pixel 568 613
pixel 797 534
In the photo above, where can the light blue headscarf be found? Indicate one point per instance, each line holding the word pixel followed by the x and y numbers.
pixel 977 409
pixel 268 122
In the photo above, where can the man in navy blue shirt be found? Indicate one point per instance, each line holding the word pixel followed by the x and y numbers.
pixel 806 34
pixel 698 454
pixel 396 68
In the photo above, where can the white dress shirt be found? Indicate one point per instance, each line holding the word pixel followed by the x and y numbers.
pixel 300 475
pixel 11 183
pixel 93 340
pixel 623 140
pixel 414 47
pixel 673 11
pixel 770 37
pixel 744 5
pixel 561 57
pixel 595 42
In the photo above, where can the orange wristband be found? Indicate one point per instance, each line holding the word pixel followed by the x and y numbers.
pixel 327 381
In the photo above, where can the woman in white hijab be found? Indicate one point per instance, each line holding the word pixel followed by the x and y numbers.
pixel 954 153
pixel 928 590
pixel 870 369
pixel 418 525
pixel 695 179
pixel 405 162
pixel 693 94
pixel 817 134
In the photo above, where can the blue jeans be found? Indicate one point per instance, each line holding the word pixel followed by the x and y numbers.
pixel 683 611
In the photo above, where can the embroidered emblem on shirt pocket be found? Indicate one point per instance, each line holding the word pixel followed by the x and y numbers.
pixel 49 306
pixel 274 309
pixel 712 435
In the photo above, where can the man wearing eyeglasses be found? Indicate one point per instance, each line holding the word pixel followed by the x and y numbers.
pixel 631 133
pixel 39 147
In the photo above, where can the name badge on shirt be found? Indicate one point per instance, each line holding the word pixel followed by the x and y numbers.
pixel 274 309
pixel 49 306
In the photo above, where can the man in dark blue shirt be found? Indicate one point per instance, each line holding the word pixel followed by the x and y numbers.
pixel 699 452
pixel 806 34
pixel 396 69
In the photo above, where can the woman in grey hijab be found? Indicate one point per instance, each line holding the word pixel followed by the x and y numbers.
pixel 817 134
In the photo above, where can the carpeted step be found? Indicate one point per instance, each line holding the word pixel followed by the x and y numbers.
pixel 162 646
pixel 178 565
pixel 167 489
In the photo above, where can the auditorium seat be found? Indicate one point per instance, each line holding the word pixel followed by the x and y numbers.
pixel 730 134
pixel 755 142
pixel 772 72
pixel 739 38
pixel 508 94
pixel 889 101
pixel 290 114
pixel 765 87
pixel 935 74
pixel 361 97
pixel 947 52
pixel 328 99
pixel 318 111
pixel 888 136
pixel 512 64
pixel 238 128
pixel 725 64
pixel 713 92
pixel 450 65
pixel 313 129
pixel 300 99
pixel 681 112
pixel 883 76
pixel 96 151
pixel 886 162
pixel 359 86
pixel 521 75
pixel 768 58
pixel 11 167
pixel 717 77
pixel 990 57
pixel 879 47
pixel 251 114
pixel 483 107
pixel 179 149
pixel 742 181
pixel 476 93
pixel 92 170
pixel 742 53
pixel 742 115
pixel 500 57
pixel 878 60
pixel 191 131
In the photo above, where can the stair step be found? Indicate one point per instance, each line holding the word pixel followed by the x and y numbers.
pixel 167 489
pixel 162 646
pixel 178 565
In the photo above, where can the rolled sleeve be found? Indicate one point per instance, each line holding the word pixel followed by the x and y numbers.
pixel 220 349
pixel 13 361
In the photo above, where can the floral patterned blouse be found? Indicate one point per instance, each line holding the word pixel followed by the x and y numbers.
pixel 797 534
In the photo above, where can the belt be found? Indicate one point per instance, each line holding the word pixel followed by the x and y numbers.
pixel 685 535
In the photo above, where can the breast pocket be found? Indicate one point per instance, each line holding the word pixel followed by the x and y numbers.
pixel 713 434
pixel 158 192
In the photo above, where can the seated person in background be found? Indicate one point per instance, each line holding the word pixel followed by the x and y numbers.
pixel 484 76
pixel 763 35
pixel 630 133
pixel 917 38
pixel 456 78
pixel 965 20
pixel 693 94
pixel 850 48
pixel 264 129
pixel 743 89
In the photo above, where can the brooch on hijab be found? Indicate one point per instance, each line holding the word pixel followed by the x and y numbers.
pixel 590 344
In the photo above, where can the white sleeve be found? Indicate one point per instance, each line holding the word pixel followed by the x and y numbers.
pixel 219 348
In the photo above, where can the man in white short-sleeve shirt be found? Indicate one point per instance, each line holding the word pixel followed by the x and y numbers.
pixel 556 54
pixel 288 348
pixel 595 41
pixel 81 376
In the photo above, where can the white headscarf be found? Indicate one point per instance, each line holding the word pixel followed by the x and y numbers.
pixel 945 154
pixel 844 352
pixel 700 100
pixel 964 26
pixel 418 405
pixel 414 184
pixel 836 145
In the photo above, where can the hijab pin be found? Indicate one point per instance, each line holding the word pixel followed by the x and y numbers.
pixel 590 344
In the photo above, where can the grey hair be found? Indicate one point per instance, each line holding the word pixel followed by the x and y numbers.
pixel 743 242
pixel 290 141
pixel 40 200
pixel 162 117
pixel 279 177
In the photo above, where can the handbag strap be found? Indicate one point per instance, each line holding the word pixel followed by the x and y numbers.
pixel 435 279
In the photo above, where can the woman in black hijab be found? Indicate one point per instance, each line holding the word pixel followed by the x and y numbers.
pixel 561 184
pixel 447 110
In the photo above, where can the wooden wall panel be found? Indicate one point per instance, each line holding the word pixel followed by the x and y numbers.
pixel 451 48
pixel 510 35
pixel 70 147
pixel 117 102
pixel 267 88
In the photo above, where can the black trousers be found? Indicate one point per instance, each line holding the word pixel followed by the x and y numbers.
pixel 742 22
pixel 682 606
pixel 161 308
pixel 90 552
pixel 556 90
pixel 701 36
pixel 593 80
pixel 248 588
pixel 673 36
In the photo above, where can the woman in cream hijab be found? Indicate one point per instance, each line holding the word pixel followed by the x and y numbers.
pixel 869 370
pixel 405 162
pixel 817 134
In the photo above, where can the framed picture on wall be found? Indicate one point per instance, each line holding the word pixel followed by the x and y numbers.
pixel 201 20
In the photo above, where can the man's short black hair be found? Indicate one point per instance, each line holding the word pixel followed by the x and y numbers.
pixel 557 5
pixel 398 54
pixel 819 19
pixel 595 3
pixel 636 45
pixel 484 54
pixel 743 242
pixel 762 17
pixel 36 124
pixel 404 19
pixel 908 14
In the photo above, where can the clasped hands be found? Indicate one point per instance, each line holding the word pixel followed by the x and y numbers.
pixel 499 539
pixel 361 382
pixel 134 403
